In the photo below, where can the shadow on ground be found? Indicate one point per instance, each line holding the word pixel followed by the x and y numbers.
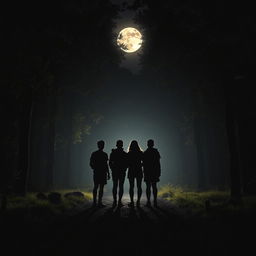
pixel 131 231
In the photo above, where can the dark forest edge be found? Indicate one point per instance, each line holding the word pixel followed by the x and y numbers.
pixel 47 67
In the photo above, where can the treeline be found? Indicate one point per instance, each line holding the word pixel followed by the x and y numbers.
pixel 208 45
pixel 53 51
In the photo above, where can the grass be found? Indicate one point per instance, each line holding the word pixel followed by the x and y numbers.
pixel 206 202
pixel 87 194
pixel 34 209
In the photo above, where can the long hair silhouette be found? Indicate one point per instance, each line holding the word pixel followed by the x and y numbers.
pixel 134 146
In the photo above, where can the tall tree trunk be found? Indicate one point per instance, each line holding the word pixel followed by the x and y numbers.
pixel 68 164
pixel 199 152
pixel 69 146
pixel 51 140
pixel 25 122
pixel 233 141
pixel 182 164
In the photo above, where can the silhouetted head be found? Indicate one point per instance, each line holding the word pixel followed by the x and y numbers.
pixel 134 146
pixel 150 143
pixel 119 144
pixel 101 144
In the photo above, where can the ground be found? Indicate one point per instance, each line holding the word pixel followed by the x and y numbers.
pixel 131 231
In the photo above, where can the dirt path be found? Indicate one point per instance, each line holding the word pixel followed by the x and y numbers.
pixel 113 230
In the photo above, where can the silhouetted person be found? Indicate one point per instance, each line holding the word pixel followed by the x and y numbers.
pixel 135 156
pixel 118 165
pixel 152 171
pixel 99 164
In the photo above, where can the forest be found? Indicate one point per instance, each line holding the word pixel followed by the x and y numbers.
pixel 65 85
pixel 62 75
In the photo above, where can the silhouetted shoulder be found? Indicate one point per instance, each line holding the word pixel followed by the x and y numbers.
pixel 98 159
pixel 118 159
pixel 152 152
pixel 98 153
pixel 157 152
pixel 93 153
pixel 151 164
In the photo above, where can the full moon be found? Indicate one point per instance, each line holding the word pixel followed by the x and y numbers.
pixel 129 39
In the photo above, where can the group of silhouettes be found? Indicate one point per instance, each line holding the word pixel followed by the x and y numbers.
pixel 139 164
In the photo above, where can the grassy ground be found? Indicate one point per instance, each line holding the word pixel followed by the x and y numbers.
pixel 34 209
pixel 221 229
pixel 209 204
pixel 203 203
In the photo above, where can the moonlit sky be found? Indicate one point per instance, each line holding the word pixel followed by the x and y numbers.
pixel 134 107
pixel 131 60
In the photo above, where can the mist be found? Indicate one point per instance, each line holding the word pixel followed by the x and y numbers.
pixel 67 90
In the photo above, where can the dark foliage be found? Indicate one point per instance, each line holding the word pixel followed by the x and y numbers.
pixel 41 196
pixel 54 197
pixel 212 47
pixel 50 48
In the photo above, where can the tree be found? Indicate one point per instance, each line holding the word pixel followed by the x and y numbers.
pixel 75 39
pixel 201 39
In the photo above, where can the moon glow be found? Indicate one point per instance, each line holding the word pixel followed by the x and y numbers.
pixel 129 40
